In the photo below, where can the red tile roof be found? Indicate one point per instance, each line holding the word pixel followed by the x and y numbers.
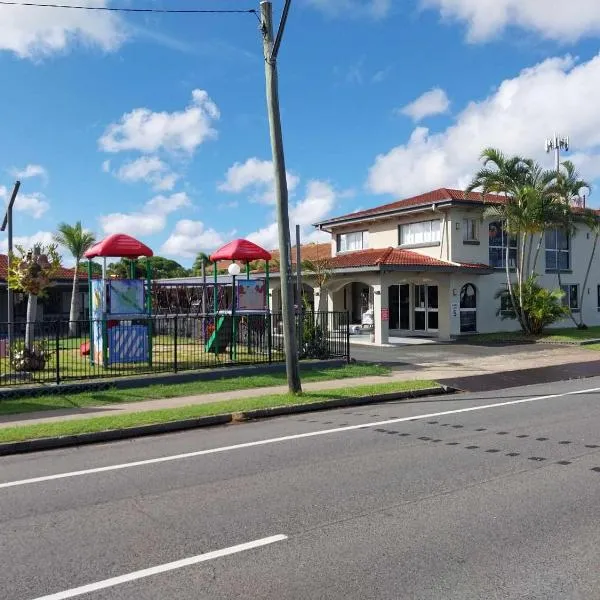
pixel 434 197
pixel 63 275
pixel 395 258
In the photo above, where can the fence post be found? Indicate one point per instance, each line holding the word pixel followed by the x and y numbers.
pixel 348 335
pixel 270 336
pixel 57 351
pixel 175 362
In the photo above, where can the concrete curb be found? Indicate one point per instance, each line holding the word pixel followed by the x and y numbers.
pixel 160 428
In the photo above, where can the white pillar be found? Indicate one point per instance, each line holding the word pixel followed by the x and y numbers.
pixel 320 299
pixel 381 314
pixel 446 320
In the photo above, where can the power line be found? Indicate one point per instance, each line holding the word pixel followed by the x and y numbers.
pixel 133 10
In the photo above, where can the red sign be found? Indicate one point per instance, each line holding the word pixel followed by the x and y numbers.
pixel 385 314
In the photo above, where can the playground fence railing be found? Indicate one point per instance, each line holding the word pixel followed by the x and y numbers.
pixel 62 351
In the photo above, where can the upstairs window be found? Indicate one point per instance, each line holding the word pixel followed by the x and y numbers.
pixel 470 230
pixel 558 250
pixel 423 232
pixel 350 242
pixel 499 240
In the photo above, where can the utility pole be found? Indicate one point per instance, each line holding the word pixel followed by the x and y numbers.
pixel 8 221
pixel 271 49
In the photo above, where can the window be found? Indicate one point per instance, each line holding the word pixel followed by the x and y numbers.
pixel 571 297
pixel 558 250
pixel 506 306
pixel 423 232
pixel 349 242
pixel 470 230
pixel 468 309
pixel 498 241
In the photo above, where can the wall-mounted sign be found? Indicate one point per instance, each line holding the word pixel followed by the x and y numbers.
pixel 454 309
pixel 385 314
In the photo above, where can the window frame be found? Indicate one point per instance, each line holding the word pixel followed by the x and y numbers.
pixel 506 239
pixel 466 225
pixel 364 241
pixel 557 251
pixel 567 288
pixel 432 241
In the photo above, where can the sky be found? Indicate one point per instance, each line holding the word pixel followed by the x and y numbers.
pixel 156 125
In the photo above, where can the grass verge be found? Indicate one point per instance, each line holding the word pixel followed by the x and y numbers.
pixel 79 426
pixel 569 335
pixel 14 406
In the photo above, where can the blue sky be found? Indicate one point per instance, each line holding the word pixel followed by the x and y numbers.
pixel 156 125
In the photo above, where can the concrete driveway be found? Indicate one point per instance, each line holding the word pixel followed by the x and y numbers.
pixel 481 367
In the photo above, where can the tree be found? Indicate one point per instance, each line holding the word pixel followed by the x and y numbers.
pixel 592 220
pixel 77 241
pixel 320 270
pixel 31 272
pixel 566 189
pixel 540 306
pixel 522 183
pixel 162 268
pixel 200 263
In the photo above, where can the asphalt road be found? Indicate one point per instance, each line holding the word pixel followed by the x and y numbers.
pixel 497 498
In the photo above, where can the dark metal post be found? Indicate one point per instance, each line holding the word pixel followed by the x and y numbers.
pixel 175 365
pixel 348 335
pixel 57 350
pixel 269 315
pixel 232 351
pixel 10 294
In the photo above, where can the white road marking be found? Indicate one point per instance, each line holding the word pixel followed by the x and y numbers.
pixel 285 438
pixel 178 564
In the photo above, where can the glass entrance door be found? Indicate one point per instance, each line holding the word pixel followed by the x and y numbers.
pixel 405 307
pixel 426 308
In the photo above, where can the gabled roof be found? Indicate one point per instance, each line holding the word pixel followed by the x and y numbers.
pixel 439 196
pixel 398 259
pixel 64 274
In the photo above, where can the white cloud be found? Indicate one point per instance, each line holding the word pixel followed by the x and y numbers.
pixel 30 171
pixel 551 19
pixel 34 204
pixel 433 102
pixel 152 219
pixel 150 169
pixel 318 202
pixel 258 176
pixel 106 166
pixel 190 237
pixel 28 241
pixel 517 117
pixel 148 131
pixel 375 9
pixel 36 33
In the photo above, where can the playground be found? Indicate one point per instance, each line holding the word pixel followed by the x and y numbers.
pixel 138 327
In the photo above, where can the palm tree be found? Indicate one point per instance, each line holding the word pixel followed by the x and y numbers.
pixel 509 177
pixel 78 241
pixel 567 187
pixel 592 220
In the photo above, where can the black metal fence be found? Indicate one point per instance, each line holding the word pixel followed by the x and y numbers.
pixel 61 351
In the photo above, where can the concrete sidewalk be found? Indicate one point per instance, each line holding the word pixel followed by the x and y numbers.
pixel 511 365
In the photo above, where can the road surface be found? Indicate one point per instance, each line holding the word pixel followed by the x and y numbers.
pixel 480 496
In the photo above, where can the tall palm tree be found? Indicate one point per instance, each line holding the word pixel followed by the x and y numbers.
pixel 511 178
pixel 78 241
pixel 567 187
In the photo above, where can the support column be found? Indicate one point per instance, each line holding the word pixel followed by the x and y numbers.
pixel 320 299
pixel 447 321
pixel 381 314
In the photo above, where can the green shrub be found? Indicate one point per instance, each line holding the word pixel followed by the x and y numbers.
pixel 34 358
pixel 541 307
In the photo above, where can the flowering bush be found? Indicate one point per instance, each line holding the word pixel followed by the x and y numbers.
pixel 34 358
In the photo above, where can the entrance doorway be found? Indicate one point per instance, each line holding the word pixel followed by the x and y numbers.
pixel 399 304
pixel 426 310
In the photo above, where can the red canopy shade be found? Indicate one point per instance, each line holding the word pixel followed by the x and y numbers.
pixel 119 245
pixel 240 250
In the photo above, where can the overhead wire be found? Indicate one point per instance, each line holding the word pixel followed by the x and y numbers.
pixel 131 9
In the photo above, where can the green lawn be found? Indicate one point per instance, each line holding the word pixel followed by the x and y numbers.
pixel 155 392
pixel 569 335
pixel 74 427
